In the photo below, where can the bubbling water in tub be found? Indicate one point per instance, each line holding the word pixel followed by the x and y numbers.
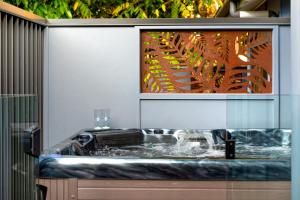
pixel 180 144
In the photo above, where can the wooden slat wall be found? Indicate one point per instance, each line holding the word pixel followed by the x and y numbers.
pixel 182 190
pixel 60 189
pixel 21 50
pixel 72 189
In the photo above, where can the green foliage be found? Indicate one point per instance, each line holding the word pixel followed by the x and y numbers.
pixel 119 8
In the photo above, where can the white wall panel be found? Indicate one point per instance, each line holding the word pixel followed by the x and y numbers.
pixel 90 68
pixel 201 114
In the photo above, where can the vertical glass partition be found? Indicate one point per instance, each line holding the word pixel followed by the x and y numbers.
pixel 261 128
pixel 258 111
pixel 21 73
pixel 17 178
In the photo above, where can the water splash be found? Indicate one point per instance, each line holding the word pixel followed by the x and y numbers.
pixel 188 144
pixel 286 138
pixel 192 144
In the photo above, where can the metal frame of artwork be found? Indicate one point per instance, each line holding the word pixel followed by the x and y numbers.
pixel 207 60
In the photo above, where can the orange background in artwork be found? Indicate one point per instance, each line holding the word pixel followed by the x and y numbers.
pixel 238 61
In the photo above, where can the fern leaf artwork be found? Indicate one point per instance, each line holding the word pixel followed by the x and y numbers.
pixel 206 61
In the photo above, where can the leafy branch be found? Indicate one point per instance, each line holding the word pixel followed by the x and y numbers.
pixel 120 8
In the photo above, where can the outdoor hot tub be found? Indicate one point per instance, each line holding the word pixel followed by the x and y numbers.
pixel 168 154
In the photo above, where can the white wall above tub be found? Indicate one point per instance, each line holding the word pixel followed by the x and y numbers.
pixel 89 68
pixel 98 67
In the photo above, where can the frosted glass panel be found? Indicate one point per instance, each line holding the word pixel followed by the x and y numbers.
pixel 17 113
